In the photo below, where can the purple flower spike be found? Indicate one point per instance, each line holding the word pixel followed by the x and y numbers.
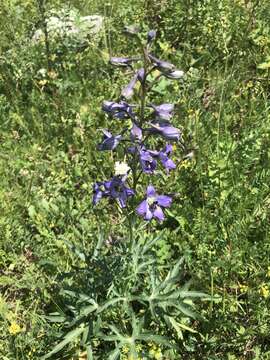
pixel 163 66
pixel 109 141
pixel 128 91
pixel 118 61
pixel 174 75
pixel 166 130
pixel 135 133
pixel 118 190
pixel 164 158
pixel 163 112
pixel 152 206
pixel 151 36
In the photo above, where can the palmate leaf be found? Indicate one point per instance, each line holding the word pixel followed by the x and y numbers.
pixel 69 337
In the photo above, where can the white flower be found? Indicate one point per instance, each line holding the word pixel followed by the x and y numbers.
pixel 121 168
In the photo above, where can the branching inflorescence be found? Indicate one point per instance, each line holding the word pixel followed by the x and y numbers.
pixel 142 121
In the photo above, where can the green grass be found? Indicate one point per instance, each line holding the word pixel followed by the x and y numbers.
pixel 48 162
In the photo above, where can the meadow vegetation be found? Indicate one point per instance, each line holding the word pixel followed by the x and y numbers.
pixel 54 243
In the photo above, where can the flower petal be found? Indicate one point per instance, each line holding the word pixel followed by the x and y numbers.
pixel 174 75
pixel 127 92
pixel 162 65
pixel 169 164
pixel 122 199
pixel 158 214
pixel 118 61
pixel 166 130
pixel 141 75
pixel 150 192
pixel 142 208
pixel 135 132
pixel 164 200
pixel 151 36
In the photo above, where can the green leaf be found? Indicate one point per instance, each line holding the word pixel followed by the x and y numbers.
pixel 191 294
pixel 177 326
pixel 186 310
pixel 158 339
pixel 68 338
pixel 6 280
pixel 75 250
pixel 89 352
pixel 114 355
pixel 109 303
pixel 56 317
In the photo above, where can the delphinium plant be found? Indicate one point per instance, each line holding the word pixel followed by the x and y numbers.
pixel 143 123
pixel 124 305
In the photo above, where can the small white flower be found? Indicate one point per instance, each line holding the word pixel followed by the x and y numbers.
pixel 121 168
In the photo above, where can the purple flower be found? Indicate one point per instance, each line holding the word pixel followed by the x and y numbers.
pixel 151 36
pixel 118 61
pixel 147 161
pixel 163 112
pixel 99 192
pixel 120 110
pixel 109 141
pixel 152 206
pixel 164 158
pixel 128 91
pixel 166 130
pixel 167 68
pixel 118 190
pixel 162 65
pixel 135 133
pixel 114 188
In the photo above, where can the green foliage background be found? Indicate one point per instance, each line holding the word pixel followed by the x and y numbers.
pixel 49 126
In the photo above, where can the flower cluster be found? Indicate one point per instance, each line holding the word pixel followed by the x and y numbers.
pixel 142 122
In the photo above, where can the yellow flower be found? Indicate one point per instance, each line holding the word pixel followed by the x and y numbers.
pixel 158 355
pixel 14 328
pixel 52 74
pixel 243 288
pixel 125 349
pixel 42 82
pixel 265 291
